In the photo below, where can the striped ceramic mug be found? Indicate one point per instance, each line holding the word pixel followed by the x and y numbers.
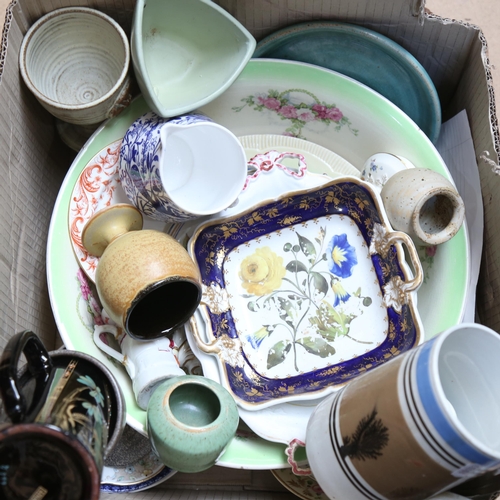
pixel 420 424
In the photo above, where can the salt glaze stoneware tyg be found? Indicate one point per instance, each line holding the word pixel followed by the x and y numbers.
pixel 418 201
pixel 422 423
pixel 181 169
pixel 190 422
pixel 423 204
pixel 146 281
pixel 147 363
pixel 67 414
pixel 75 60
pixel 185 53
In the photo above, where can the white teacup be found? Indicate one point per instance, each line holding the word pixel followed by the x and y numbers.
pixel 182 168
pixel 148 363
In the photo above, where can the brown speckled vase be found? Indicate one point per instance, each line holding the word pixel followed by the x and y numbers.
pixel 147 282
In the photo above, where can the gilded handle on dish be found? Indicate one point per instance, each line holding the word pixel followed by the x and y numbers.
pixel 211 348
pixel 400 237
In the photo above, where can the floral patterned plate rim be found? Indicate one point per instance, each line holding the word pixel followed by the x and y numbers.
pixel 97 186
pixel 145 473
pixel 304 487
pixel 303 293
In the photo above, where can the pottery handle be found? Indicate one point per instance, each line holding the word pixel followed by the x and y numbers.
pixel 273 159
pixel 98 329
pixel 39 367
pixel 212 348
pixel 418 273
pixel 290 452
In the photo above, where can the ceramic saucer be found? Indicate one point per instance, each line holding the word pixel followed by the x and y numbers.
pixel 141 475
pixel 307 488
pixel 367 56
pixel 304 487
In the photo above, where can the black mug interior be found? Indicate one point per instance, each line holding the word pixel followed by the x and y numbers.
pixel 162 307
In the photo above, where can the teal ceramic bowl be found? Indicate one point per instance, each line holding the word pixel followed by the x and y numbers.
pixel 190 421
pixel 365 55
pixel 185 53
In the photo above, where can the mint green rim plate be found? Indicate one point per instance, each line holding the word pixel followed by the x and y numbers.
pixel 273 97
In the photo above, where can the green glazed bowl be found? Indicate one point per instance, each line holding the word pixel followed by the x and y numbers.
pixel 190 421
pixel 185 53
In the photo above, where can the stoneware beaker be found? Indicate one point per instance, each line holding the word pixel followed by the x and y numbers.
pixel 75 60
pixel 423 423
pixel 190 421
pixel 148 364
pixel 146 281
pixel 182 168
pixel 423 204
pixel 66 415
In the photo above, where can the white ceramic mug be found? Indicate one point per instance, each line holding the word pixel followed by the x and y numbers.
pixel 415 426
pixel 148 363
pixel 182 168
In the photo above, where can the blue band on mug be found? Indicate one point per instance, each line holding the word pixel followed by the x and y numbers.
pixel 435 413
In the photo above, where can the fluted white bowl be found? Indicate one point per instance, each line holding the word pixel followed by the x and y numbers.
pixel 75 60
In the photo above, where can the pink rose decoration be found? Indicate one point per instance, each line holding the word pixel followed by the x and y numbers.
pixel 334 114
pixel 270 102
pixel 320 110
pixel 306 116
pixel 288 111
pixel 430 251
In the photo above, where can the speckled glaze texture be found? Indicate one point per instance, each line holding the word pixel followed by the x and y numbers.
pixel 423 204
pixel 179 443
pixel 75 61
pixel 135 264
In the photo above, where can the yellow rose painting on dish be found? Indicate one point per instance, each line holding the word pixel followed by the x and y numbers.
pixel 308 293
pixel 262 272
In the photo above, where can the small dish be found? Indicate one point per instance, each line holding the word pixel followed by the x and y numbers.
pixel 304 293
pixel 367 56
pixel 304 487
pixel 147 472
pixel 185 53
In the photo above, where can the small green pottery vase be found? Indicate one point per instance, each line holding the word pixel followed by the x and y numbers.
pixel 191 420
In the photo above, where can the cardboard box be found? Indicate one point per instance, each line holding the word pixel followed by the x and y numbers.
pixel 33 163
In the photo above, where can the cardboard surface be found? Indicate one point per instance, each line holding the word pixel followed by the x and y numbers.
pixel 33 161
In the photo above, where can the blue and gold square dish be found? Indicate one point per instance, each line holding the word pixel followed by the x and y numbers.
pixel 303 293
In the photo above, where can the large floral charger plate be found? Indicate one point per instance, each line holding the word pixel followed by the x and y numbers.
pixel 304 293
pixel 380 126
